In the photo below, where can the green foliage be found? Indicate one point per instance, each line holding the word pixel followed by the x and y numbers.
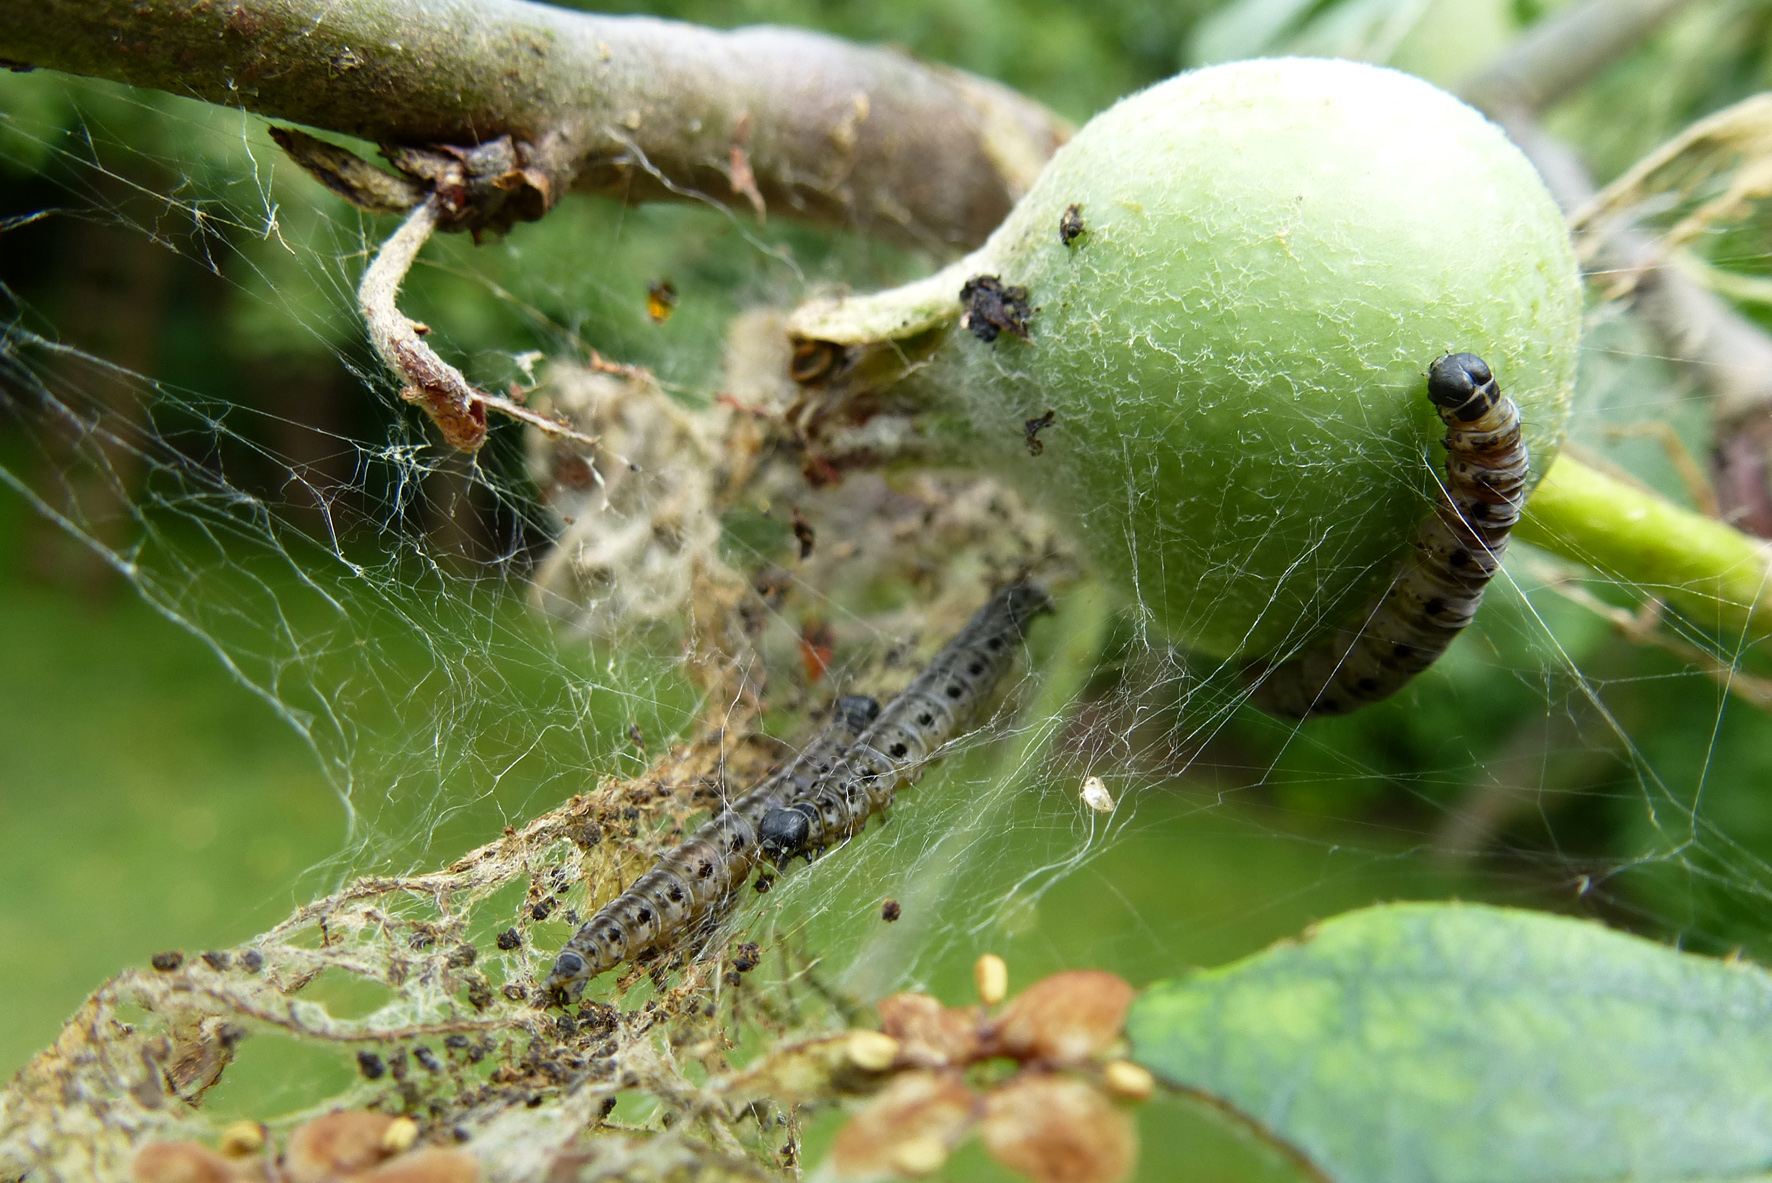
pixel 1459 1042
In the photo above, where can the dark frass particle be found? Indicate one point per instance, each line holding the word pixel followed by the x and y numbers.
pixel 509 939
pixel 993 307
pixel 461 957
pixel 661 300
pixel 167 962
pixel 1033 427
pixel 890 911
pixel 636 736
pixel 252 961
pixel 427 1059
pixel 544 907
pixel 746 957
pixel 371 1065
pixel 804 534
pixel 1070 224
pixel 218 961
pixel 516 993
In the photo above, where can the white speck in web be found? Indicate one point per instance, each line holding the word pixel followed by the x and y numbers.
pixel 1096 795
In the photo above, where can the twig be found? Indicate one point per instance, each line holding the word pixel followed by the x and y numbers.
pixel 1723 351
pixel 862 137
pixel 452 402
pixel 1642 629
pixel 1679 455
pixel 1564 52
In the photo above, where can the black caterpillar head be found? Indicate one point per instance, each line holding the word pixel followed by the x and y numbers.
pixel 783 833
pixel 856 711
pixel 1463 386
pixel 569 966
pixel 1021 601
pixel 567 979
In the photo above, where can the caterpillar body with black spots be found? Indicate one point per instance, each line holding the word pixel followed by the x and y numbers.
pixel 1440 586
pixel 895 747
pixel 861 759
pixel 692 882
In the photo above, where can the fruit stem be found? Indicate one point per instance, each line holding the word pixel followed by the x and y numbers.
pixel 890 315
pixel 1713 573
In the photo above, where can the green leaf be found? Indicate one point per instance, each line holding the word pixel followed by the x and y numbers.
pixel 1461 1042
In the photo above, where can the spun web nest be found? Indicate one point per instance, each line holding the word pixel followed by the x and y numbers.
pixel 423 985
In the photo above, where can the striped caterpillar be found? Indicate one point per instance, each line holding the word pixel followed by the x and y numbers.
pixel 693 881
pixel 690 884
pixel 1456 553
pixel 892 751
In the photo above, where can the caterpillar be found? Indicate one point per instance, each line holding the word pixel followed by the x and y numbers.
pixel 691 883
pixel 1455 554
pixel 894 748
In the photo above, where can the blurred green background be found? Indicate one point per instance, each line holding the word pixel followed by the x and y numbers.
pixel 277 639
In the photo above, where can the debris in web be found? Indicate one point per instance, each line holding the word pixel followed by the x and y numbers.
pixel 993 307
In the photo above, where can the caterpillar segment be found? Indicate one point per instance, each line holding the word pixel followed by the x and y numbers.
pixel 692 883
pixel 893 750
pixel 1455 554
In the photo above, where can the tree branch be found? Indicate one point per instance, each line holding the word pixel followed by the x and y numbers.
pixel 631 107
pixel 1564 52
pixel 1723 351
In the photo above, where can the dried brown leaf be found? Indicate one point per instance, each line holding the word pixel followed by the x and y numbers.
pixel 1057 1130
pixel 908 1129
pixel 431 1165
pixel 1066 1018
pixel 336 1145
pixel 180 1162
pixel 930 1034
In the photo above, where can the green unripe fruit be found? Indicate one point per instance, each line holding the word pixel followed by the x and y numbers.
pixel 1236 346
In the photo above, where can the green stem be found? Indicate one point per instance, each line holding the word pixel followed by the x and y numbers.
pixel 1713 573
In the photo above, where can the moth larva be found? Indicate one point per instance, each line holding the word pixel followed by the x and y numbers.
pixel 892 751
pixel 690 883
pixel 1455 554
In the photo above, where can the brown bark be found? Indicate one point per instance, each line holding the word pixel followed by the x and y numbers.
pixel 633 107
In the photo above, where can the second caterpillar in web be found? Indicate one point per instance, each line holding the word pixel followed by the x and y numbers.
pixel 845 775
pixel 892 750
